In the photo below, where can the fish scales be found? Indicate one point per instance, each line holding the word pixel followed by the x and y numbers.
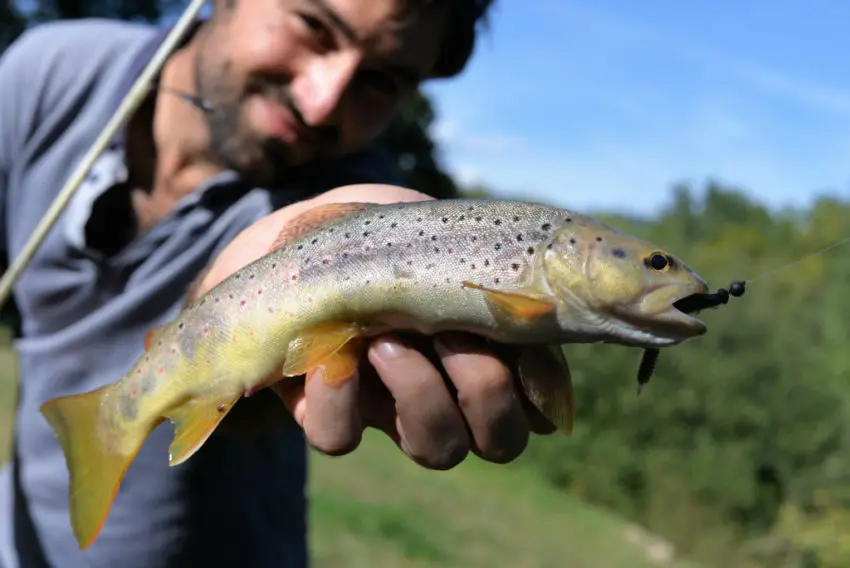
pixel 515 272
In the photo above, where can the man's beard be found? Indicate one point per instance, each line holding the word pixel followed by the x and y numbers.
pixel 258 160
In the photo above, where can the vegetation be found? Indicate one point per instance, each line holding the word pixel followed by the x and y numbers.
pixel 735 453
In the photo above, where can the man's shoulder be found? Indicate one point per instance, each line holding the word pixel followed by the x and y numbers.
pixel 57 62
pixel 91 35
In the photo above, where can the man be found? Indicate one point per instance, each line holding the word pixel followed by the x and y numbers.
pixel 291 94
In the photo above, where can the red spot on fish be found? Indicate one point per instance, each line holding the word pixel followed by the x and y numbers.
pixel 174 350
pixel 206 330
pixel 473 267
pixel 259 291
pixel 310 300
pixel 161 371
pixel 368 249
pixel 473 238
pixel 243 302
pixel 450 251
pixel 271 310
pixel 251 277
pixel 345 255
pixel 138 371
pixel 294 277
pixel 325 261
pixel 409 245
pixel 134 391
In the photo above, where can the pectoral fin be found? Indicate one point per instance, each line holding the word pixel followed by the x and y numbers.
pixel 522 305
pixel 546 380
pixel 194 422
pixel 333 346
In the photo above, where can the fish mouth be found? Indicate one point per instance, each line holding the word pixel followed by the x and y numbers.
pixel 667 313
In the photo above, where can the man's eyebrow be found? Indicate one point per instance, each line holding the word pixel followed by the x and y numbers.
pixel 337 21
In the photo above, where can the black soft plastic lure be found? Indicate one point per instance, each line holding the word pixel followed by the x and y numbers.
pixel 693 303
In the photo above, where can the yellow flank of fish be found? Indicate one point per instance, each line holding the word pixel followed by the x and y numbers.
pixel 515 272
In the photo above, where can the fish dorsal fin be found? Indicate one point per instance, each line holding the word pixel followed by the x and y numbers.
pixel 151 336
pixel 313 218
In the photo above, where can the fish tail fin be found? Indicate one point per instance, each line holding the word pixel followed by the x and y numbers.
pixel 97 456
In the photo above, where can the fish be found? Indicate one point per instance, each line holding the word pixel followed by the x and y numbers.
pixel 514 272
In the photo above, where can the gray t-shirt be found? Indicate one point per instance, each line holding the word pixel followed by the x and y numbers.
pixel 85 311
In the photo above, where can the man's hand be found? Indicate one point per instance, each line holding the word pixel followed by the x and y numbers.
pixel 436 397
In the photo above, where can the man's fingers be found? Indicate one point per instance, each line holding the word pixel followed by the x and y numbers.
pixel 429 424
pixel 332 421
pixel 486 396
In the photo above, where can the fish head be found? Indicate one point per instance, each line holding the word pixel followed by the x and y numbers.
pixel 620 288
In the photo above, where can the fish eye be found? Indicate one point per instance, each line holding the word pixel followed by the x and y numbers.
pixel 658 261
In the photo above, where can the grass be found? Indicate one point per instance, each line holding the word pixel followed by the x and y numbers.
pixel 376 508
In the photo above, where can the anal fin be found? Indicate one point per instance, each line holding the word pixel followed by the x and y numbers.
pixel 547 382
pixel 194 422
pixel 314 218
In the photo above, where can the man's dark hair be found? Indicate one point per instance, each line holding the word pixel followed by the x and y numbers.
pixel 459 41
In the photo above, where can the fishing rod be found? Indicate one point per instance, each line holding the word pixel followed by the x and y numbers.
pixel 129 104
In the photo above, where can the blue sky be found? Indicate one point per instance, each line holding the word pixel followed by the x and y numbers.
pixel 603 104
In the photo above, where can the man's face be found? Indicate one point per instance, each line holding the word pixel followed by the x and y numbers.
pixel 295 80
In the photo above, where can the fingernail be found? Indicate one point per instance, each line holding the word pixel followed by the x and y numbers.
pixel 389 348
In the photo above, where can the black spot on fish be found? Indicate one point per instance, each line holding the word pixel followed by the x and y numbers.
pixel 436 249
pixel 516 219
pixel 421 233
pixel 498 246
pixel 519 238
pixel 572 241
pixel 365 233
pixel 598 239
pixel 274 265
pixel 380 216
pixel 462 218
pixel 347 235
pixel 530 250
pixel 300 247
pixel 445 219
pixel 419 219
pixel 515 266
pixel 433 237
pixel 486 262
pixel 393 225
pixel 618 252
pixel 314 241
pixel 181 325
pixel 545 226
pixel 498 221
pixel 568 220
pixel 478 219
pixel 367 222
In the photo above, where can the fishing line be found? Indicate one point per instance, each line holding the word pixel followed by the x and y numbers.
pixel 807 257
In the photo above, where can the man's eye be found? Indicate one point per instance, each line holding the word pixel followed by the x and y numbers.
pixel 316 28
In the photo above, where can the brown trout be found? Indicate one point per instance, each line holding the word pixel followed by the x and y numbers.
pixel 514 272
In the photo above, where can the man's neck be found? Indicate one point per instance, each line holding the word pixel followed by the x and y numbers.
pixel 168 147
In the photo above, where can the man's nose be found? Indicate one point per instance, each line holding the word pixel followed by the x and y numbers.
pixel 325 82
